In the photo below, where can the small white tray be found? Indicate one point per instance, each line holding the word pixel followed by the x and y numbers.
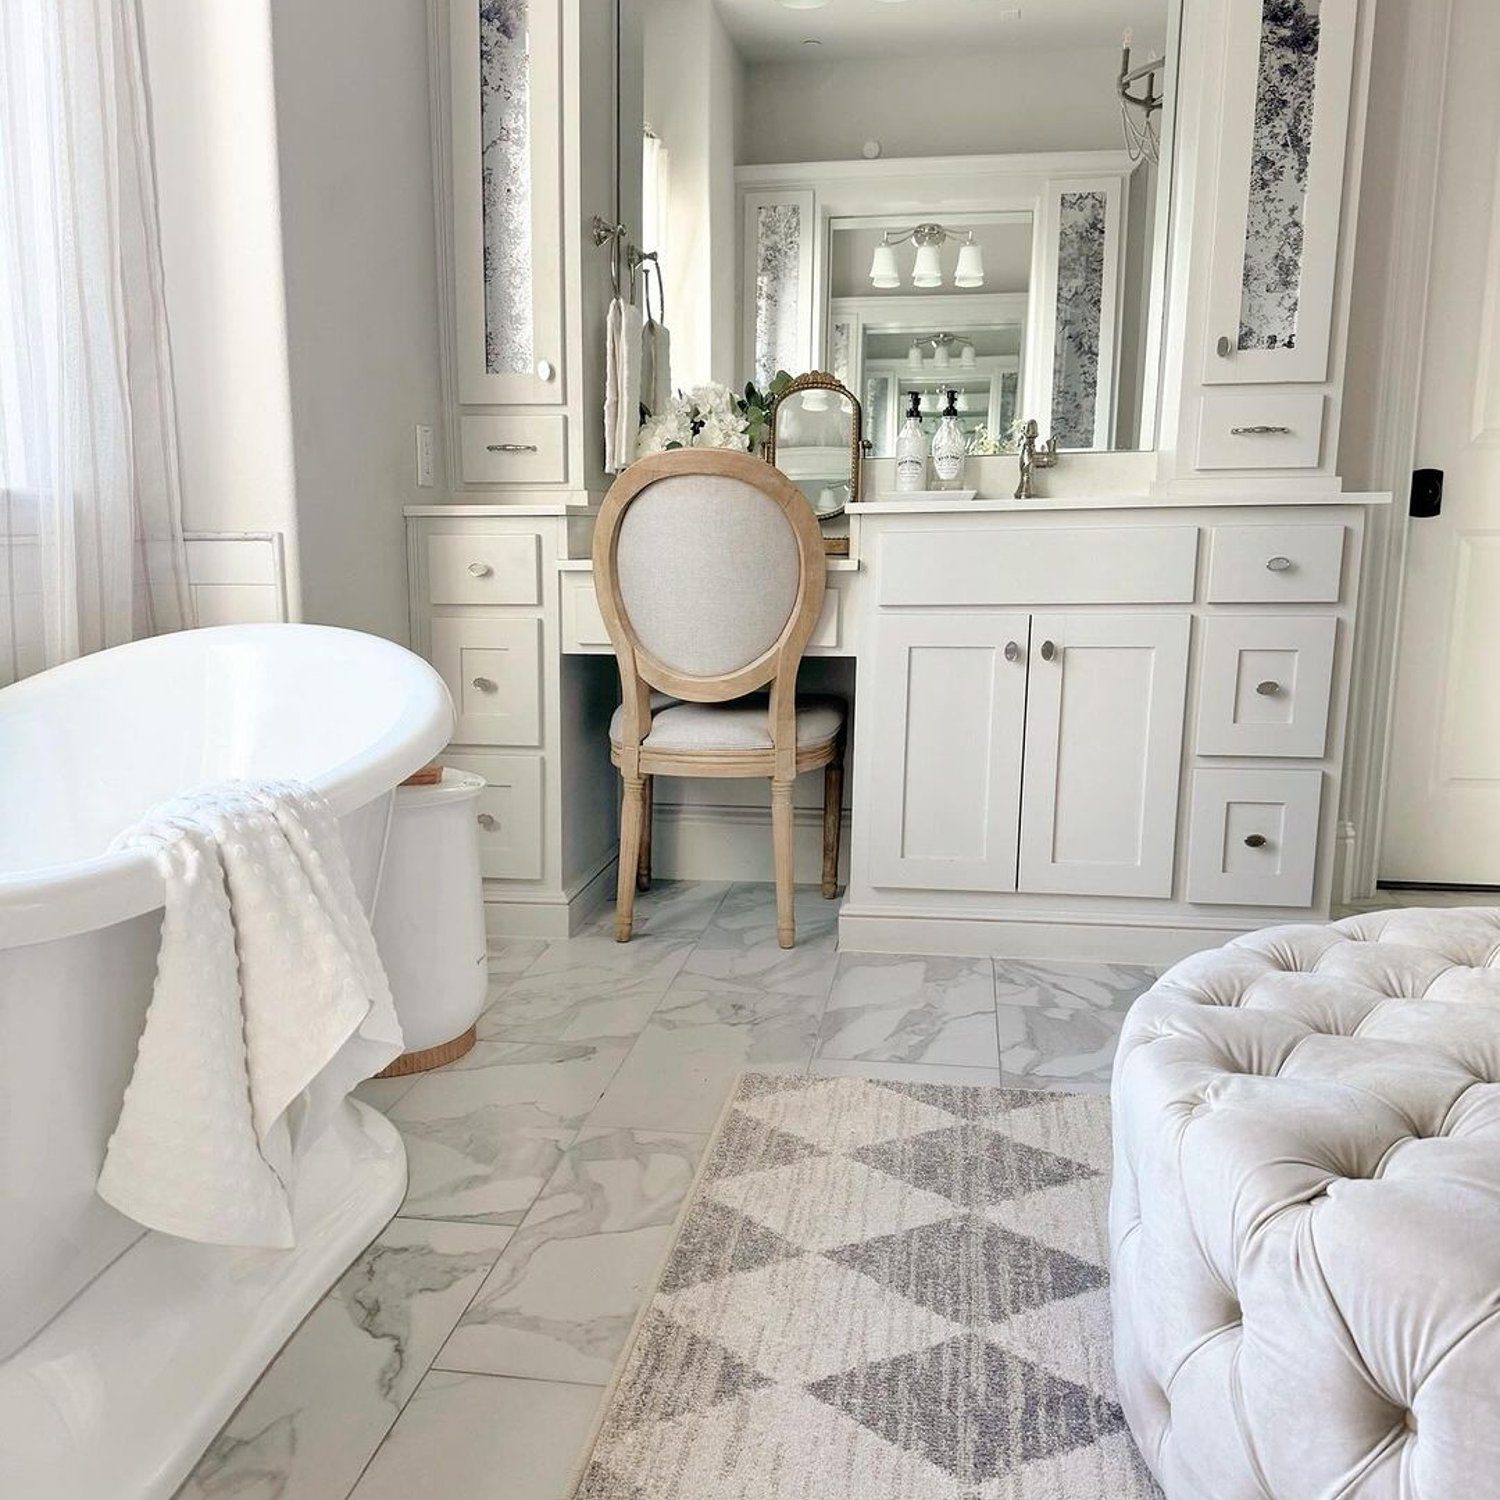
pixel 909 495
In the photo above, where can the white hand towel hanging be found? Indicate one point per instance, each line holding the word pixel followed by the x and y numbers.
pixel 622 391
pixel 270 1004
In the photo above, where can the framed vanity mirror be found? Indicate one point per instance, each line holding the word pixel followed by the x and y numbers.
pixel 815 440
pixel 917 197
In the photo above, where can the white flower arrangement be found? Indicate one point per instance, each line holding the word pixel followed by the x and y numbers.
pixel 708 416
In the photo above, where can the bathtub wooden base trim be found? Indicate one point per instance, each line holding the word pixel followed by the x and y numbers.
pixel 430 1057
pixel 123 1390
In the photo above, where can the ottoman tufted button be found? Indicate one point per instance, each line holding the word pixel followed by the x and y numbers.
pixel 1409 1421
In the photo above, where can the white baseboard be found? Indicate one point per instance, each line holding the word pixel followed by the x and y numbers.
pixel 1032 935
pixel 546 916
pixel 692 841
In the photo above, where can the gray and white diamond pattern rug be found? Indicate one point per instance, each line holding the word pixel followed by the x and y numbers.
pixel 880 1290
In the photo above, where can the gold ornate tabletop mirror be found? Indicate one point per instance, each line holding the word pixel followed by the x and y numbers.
pixel 817 442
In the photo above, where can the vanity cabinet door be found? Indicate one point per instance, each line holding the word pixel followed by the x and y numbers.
pixel 1104 719
pixel 950 701
pixel 1285 122
pixel 505 104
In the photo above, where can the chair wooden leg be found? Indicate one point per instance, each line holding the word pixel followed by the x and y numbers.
pixel 833 821
pixel 631 810
pixel 643 867
pixel 782 854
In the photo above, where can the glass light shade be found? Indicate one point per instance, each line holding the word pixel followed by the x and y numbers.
pixel 914 356
pixel 815 400
pixel 883 269
pixel 928 269
pixel 941 357
pixel 963 401
pixel 970 270
pixel 966 355
pixel 929 401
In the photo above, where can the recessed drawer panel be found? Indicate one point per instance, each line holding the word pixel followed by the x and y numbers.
pixel 1295 564
pixel 1039 565
pixel 1265 684
pixel 1259 430
pixel 1254 837
pixel 515 449
pixel 493 670
pixel 510 812
pixel 582 625
pixel 479 569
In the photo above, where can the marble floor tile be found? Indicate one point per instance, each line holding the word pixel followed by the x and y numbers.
pixel 740 945
pixel 512 958
pixel 560 1304
pixel 897 1008
pixel 588 986
pixel 312 1421
pixel 1054 1047
pixel 382 1093
pixel 483 1437
pixel 669 906
pixel 702 1036
pixel 1070 986
pixel 482 1141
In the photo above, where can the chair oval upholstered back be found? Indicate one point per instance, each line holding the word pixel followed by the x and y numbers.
pixel 707 563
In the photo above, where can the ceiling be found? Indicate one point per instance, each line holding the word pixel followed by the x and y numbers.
pixel 766 31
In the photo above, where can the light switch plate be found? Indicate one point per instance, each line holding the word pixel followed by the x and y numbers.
pixel 424 457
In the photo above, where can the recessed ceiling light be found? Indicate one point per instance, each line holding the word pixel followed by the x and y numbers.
pixel 811 41
pixel 803 4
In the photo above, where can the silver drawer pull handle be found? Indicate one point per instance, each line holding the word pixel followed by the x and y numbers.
pixel 1255 840
pixel 1268 689
pixel 1279 564
pixel 1259 430
pixel 1012 651
pixel 487 822
pixel 485 684
pixel 1049 651
pixel 1225 346
pixel 481 570
pixel 510 448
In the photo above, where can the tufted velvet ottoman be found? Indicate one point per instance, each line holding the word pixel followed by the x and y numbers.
pixel 1305 1220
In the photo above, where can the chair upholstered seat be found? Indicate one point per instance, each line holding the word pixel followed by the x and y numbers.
pixel 742 724
pixel 1305 1213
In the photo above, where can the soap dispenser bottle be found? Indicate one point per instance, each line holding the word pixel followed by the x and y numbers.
pixel 911 450
pixel 949 449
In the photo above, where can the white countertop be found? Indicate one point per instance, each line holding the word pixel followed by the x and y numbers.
pixel 898 505
pixel 586 565
pixel 513 508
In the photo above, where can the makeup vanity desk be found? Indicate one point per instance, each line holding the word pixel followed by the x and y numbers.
pixel 1092 727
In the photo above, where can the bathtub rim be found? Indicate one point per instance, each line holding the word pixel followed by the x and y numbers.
pixel 49 902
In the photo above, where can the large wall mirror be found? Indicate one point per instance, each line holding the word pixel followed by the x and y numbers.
pixel 917 196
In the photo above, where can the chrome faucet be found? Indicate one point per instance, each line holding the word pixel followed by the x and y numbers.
pixel 1033 455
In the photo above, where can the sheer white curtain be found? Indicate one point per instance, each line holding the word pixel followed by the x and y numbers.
pixel 91 550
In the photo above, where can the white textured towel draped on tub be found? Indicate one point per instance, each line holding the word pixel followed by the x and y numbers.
pixel 270 1004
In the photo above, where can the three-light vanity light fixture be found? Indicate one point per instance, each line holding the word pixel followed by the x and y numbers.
pixel 927 267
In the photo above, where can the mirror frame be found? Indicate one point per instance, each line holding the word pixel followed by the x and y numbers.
pixel 821 380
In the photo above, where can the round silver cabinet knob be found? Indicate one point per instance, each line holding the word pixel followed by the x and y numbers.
pixel 1225 347
pixel 1268 689
pixel 480 570
pixel 487 822
pixel 1255 840
pixel 1279 564
pixel 1012 651
pixel 545 369
pixel 1049 651
pixel 485 684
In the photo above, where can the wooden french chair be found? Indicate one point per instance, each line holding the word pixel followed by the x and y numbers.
pixel 709 567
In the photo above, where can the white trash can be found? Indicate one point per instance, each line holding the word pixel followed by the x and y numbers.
pixel 429 920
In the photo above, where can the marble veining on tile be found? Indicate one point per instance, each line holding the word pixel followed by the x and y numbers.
pixel 740 943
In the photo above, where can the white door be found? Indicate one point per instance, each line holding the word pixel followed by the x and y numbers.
pixel 1442 812
pixel 948 726
pixel 1103 753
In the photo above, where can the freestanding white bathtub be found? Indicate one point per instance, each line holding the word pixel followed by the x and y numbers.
pixel 121 1351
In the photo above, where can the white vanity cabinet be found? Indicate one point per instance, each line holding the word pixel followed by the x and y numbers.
pixel 1105 731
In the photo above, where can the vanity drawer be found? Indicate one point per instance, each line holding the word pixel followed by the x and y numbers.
pixel 1259 430
pixel 476 568
pixel 1290 564
pixel 512 449
pixel 510 812
pixel 493 671
pixel 1254 837
pixel 1005 565
pixel 1265 684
